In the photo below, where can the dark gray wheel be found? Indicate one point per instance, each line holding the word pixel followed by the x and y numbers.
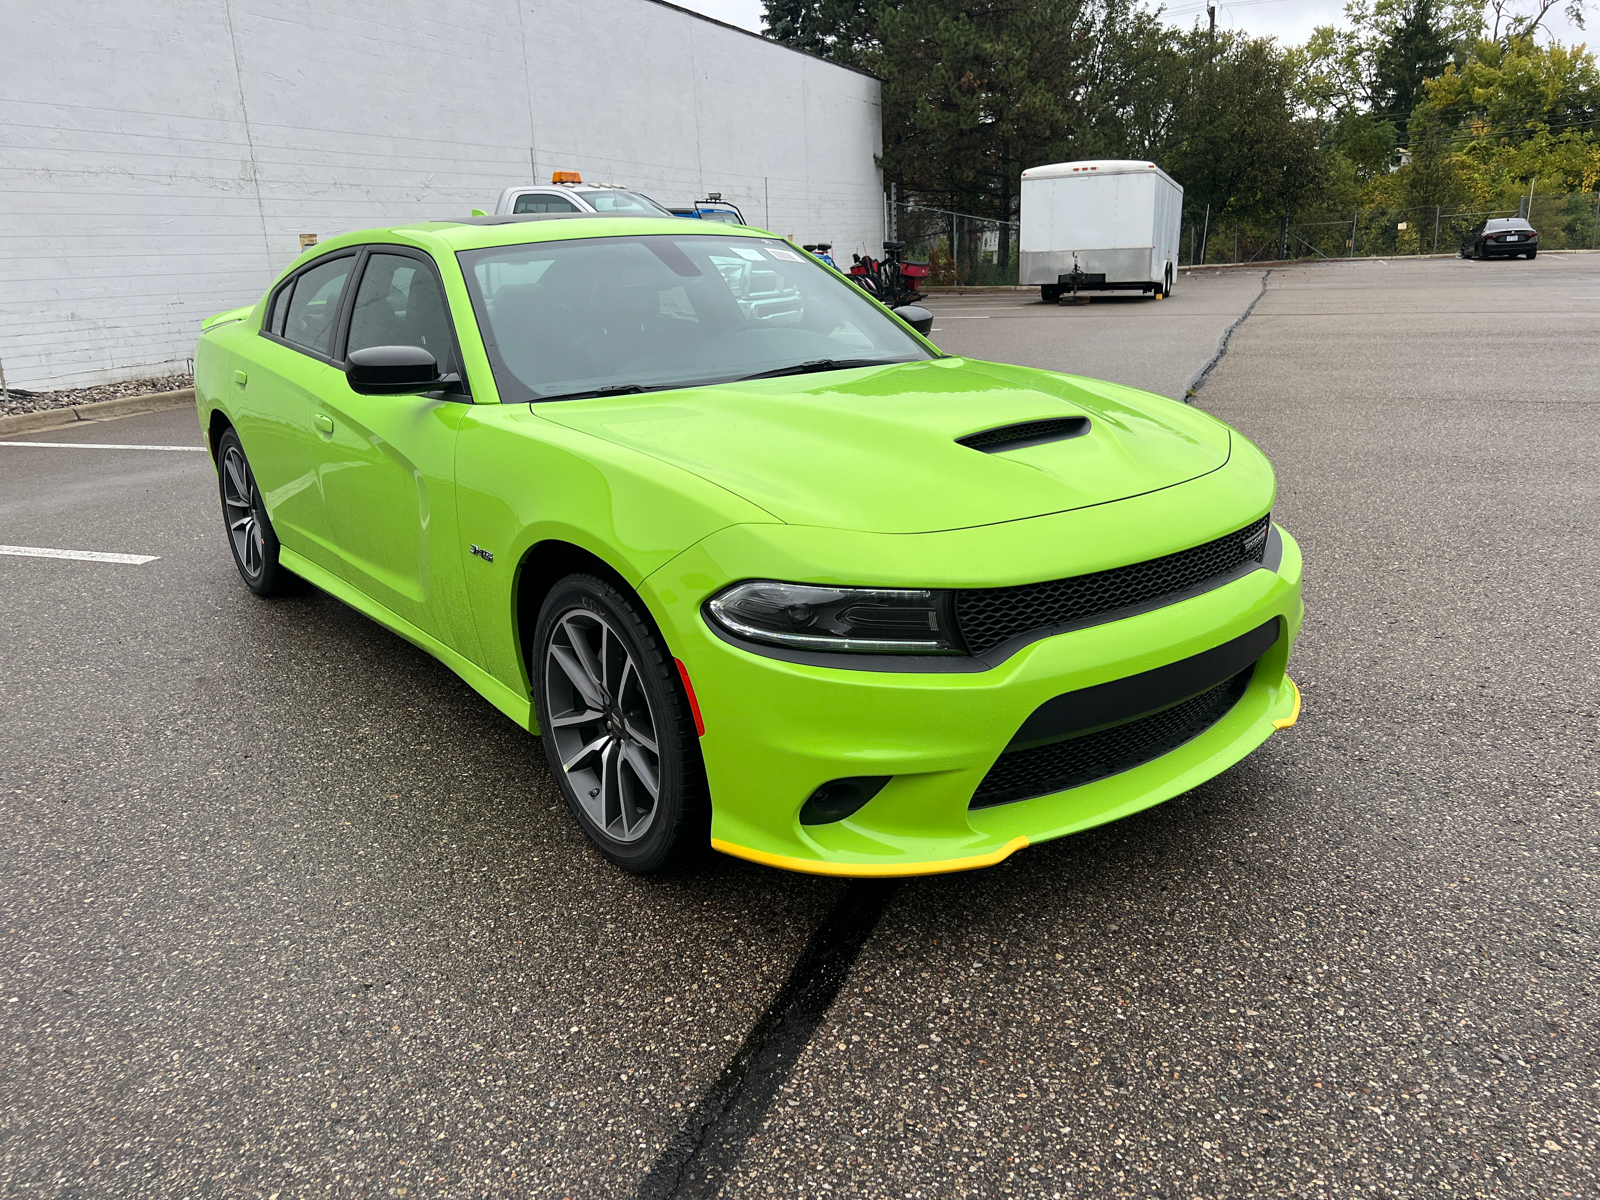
pixel 250 533
pixel 1532 254
pixel 617 727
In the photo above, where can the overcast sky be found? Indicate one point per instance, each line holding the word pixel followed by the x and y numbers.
pixel 1290 21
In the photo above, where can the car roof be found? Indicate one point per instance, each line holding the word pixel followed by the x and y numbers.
pixel 474 233
pixel 1507 223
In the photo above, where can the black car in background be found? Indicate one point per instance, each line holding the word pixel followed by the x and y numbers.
pixel 1500 237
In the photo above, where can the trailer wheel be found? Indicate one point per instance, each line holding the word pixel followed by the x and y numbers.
pixel 1050 293
pixel 1168 288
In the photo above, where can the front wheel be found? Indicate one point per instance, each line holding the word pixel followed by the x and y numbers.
pixel 250 533
pixel 617 727
pixel 1049 293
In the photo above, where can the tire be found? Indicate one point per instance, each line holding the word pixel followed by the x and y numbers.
pixel 1168 289
pixel 1532 254
pixel 606 690
pixel 251 538
pixel 1049 293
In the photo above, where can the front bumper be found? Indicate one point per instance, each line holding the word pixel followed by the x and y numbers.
pixel 775 730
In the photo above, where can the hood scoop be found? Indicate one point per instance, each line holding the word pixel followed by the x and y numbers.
pixel 1029 433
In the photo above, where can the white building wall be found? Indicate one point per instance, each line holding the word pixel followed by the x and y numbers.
pixel 159 159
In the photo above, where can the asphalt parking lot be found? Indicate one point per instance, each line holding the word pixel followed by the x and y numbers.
pixel 286 910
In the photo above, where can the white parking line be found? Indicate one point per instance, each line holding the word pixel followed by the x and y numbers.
pixel 85 555
pixel 101 446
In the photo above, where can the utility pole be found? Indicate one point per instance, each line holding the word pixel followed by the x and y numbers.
pixel 1211 8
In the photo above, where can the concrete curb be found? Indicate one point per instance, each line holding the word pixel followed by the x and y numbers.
pixel 1360 258
pixel 950 289
pixel 101 410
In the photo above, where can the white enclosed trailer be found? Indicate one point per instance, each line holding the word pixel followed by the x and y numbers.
pixel 1100 223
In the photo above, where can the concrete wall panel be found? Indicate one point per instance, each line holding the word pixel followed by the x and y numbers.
pixel 159 159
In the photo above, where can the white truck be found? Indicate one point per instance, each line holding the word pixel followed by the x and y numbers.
pixel 1099 224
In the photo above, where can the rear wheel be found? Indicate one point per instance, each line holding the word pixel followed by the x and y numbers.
pixel 1531 253
pixel 250 533
pixel 1049 293
pixel 617 727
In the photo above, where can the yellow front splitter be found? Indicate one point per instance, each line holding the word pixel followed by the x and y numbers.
pixel 812 866
pixel 1294 713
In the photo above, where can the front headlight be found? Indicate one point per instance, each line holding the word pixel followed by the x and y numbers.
pixel 802 616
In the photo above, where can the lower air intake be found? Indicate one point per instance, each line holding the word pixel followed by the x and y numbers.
pixel 1041 770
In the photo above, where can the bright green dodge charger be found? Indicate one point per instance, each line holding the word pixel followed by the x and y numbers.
pixel 760 562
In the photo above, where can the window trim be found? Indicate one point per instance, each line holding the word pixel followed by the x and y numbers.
pixel 461 391
pixel 339 314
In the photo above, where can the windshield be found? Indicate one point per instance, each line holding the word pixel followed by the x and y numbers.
pixel 660 311
pixel 619 200
pixel 720 214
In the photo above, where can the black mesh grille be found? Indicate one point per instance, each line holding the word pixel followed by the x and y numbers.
pixel 1029 433
pixel 989 616
pixel 1040 770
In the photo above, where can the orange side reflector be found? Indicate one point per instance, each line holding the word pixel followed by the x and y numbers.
pixel 566 177
pixel 694 705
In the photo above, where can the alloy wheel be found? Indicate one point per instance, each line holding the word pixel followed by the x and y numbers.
pixel 239 504
pixel 601 724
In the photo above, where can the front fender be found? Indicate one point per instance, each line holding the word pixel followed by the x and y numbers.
pixel 522 481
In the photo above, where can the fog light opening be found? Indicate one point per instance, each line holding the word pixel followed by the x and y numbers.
pixel 840 798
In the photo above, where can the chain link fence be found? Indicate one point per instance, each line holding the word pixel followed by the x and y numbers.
pixel 964 249
pixel 957 247
pixel 1565 222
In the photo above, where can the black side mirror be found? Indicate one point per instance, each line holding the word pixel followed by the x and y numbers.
pixel 392 371
pixel 915 316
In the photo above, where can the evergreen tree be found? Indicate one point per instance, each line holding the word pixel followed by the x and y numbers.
pixel 1416 50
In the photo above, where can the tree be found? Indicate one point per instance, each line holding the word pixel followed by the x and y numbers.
pixel 841 30
pixel 1415 51
pixel 1237 144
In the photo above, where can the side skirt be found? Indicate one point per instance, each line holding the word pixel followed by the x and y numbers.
pixel 518 708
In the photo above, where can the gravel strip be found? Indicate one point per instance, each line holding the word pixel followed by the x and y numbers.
pixel 26 402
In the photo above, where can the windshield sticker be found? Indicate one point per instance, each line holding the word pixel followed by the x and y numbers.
pixel 752 255
pixel 786 255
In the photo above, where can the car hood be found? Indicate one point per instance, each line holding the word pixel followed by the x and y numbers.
pixel 874 449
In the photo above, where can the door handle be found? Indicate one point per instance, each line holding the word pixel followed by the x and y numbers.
pixel 323 422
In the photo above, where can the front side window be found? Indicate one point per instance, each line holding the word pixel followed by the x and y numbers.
pixel 314 305
pixel 618 200
pixel 661 311
pixel 400 303
pixel 543 202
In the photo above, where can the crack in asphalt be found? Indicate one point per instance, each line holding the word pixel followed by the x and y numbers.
pixel 698 1159
pixel 1199 379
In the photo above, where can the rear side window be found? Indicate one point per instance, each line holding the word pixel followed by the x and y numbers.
pixel 544 204
pixel 280 302
pixel 314 306
pixel 400 303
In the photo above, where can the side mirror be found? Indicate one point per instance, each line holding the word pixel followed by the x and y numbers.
pixel 392 371
pixel 915 316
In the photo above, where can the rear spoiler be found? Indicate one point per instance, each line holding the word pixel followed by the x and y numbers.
pixel 223 318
